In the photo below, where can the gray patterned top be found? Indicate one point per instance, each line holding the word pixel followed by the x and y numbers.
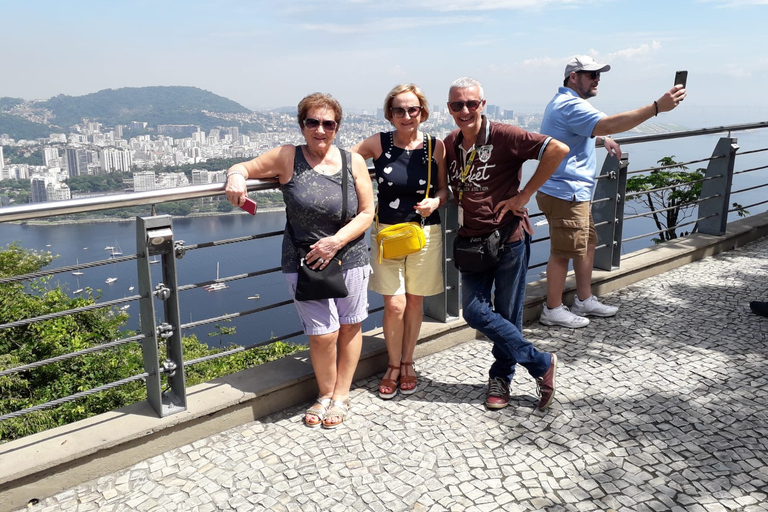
pixel 313 211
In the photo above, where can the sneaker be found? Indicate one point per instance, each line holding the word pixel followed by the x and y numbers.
pixel 759 308
pixel 545 385
pixel 498 393
pixel 562 316
pixel 593 307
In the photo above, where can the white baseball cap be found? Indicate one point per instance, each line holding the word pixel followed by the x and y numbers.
pixel 585 63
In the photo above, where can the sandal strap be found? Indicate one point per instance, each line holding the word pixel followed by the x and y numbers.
pixel 325 405
pixel 342 405
pixel 403 363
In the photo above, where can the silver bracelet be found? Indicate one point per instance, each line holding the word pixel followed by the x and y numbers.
pixel 238 173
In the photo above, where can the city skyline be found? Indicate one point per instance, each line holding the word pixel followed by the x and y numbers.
pixel 270 54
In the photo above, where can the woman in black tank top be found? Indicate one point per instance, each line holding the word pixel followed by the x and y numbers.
pixel 406 194
pixel 310 177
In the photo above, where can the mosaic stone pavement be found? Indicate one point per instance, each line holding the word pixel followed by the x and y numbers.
pixel 661 408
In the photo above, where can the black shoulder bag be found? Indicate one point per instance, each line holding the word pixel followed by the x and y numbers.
pixel 326 283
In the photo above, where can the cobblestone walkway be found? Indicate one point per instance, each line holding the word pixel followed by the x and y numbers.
pixel 661 408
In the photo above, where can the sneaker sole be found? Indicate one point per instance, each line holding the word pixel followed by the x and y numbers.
pixel 600 315
pixel 558 324
pixel 495 407
pixel 554 384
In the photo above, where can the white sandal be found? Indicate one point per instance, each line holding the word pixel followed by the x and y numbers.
pixel 319 413
pixel 339 409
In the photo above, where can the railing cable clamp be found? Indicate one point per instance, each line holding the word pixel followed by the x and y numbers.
pixel 179 249
pixel 165 331
pixel 162 292
pixel 169 367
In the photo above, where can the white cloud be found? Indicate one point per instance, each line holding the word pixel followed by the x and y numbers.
pixel 496 5
pixel 735 3
pixel 630 53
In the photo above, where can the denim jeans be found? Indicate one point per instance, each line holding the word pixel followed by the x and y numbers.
pixel 497 311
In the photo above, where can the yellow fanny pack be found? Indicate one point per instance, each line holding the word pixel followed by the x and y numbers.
pixel 405 238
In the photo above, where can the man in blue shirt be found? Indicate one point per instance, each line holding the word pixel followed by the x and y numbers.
pixel 565 198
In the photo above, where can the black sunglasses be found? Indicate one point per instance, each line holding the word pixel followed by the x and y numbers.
pixel 472 105
pixel 400 111
pixel 328 124
pixel 592 74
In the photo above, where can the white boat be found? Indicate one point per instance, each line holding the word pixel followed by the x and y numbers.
pixel 254 296
pixel 110 280
pixel 109 248
pixel 125 307
pixel 216 286
pixel 154 259
pixel 77 272
pixel 130 288
pixel 79 290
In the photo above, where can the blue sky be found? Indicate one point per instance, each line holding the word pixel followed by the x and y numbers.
pixel 271 53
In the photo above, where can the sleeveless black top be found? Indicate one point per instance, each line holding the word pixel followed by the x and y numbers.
pixel 313 211
pixel 402 181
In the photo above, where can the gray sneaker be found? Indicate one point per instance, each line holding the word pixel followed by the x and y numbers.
pixel 593 307
pixel 562 316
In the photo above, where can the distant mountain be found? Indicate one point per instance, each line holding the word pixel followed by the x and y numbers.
pixel 153 105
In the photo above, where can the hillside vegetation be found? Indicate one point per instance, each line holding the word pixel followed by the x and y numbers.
pixel 153 105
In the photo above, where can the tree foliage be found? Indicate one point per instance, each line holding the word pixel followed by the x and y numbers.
pixel 678 200
pixel 50 338
pixel 671 192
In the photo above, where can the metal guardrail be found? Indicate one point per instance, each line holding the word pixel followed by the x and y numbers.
pixel 155 238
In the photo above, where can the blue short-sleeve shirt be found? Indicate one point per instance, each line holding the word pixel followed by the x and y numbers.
pixel 571 120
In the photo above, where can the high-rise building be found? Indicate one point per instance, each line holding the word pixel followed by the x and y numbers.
pixel 116 159
pixel 51 157
pixel 143 180
pixel 38 193
pixel 76 161
pixel 2 164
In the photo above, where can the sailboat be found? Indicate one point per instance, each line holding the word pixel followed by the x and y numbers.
pixel 110 280
pixel 116 251
pixel 77 272
pixel 216 286
pixel 79 290
pixel 154 259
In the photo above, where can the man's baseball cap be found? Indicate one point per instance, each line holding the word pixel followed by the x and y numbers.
pixel 585 63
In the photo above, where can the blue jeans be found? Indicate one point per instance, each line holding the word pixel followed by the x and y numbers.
pixel 500 316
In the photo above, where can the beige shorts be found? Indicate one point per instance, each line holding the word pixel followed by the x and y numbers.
pixel 571 228
pixel 420 273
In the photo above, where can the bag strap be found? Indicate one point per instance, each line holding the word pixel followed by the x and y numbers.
pixel 344 185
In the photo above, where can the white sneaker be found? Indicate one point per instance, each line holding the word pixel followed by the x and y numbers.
pixel 562 316
pixel 593 307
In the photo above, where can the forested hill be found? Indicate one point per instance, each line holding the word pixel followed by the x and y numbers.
pixel 153 105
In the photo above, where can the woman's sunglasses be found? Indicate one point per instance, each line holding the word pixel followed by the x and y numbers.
pixel 411 111
pixel 328 124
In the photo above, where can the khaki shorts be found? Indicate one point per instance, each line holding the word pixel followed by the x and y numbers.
pixel 420 273
pixel 571 228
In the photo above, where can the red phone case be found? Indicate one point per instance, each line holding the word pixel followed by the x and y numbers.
pixel 249 206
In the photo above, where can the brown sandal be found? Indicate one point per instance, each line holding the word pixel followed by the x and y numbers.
pixel 388 383
pixel 408 379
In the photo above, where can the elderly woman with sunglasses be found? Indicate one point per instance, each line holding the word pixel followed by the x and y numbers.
pixel 400 158
pixel 310 178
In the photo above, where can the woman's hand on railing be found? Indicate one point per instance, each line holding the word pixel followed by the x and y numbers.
pixel 235 187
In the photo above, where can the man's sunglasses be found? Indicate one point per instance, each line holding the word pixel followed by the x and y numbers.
pixel 594 75
pixel 411 111
pixel 311 123
pixel 472 105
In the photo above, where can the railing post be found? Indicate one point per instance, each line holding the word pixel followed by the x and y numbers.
pixel 614 187
pixel 154 237
pixel 445 307
pixel 720 169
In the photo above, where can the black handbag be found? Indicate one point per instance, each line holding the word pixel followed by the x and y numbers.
pixel 317 284
pixel 326 283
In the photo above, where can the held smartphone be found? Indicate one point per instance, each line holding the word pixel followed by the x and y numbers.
pixel 249 206
pixel 681 77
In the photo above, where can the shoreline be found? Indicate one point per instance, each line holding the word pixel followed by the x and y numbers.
pixel 38 222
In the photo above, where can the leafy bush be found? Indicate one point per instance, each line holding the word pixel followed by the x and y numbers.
pixel 50 338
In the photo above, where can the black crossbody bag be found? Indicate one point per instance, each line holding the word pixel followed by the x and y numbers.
pixel 326 283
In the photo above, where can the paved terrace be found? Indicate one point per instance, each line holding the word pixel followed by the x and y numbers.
pixel 663 407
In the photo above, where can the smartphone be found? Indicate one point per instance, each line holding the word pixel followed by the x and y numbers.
pixel 681 77
pixel 249 206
